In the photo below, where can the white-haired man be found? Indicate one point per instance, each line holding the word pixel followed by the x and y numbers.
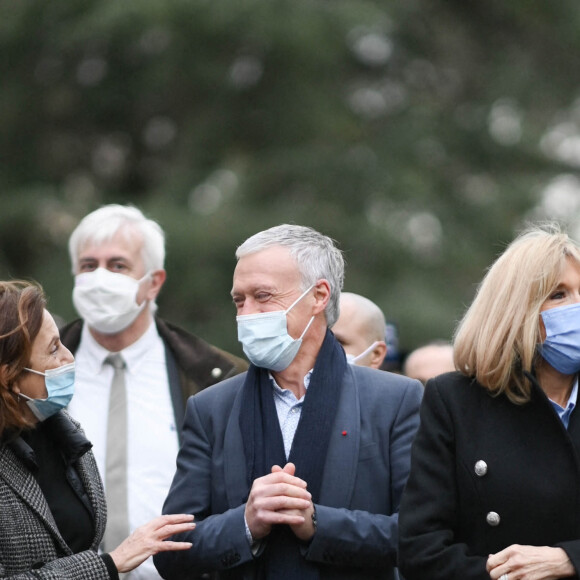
pixel 117 257
pixel 294 469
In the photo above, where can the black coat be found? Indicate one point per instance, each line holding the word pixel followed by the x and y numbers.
pixel 453 515
pixel 31 545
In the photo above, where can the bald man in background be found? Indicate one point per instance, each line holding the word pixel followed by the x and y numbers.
pixel 429 360
pixel 361 329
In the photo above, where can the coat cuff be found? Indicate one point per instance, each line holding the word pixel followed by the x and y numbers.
pixel 111 568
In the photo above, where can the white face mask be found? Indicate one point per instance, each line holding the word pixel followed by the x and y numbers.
pixel 107 301
pixel 353 360
pixel 265 339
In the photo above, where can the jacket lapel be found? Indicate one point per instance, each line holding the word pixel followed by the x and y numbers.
pixel 88 472
pixel 235 472
pixel 343 450
pixel 25 486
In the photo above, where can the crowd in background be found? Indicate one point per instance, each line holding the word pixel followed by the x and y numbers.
pixel 230 450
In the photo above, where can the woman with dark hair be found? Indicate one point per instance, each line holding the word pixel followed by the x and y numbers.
pixel 494 486
pixel 52 505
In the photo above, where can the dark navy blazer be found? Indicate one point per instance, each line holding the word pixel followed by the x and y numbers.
pixel 364 474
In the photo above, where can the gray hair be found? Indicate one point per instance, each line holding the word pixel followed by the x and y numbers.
pixel 104 223
pixel 316 256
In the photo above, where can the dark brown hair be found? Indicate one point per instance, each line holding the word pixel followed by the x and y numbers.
pixel 22 307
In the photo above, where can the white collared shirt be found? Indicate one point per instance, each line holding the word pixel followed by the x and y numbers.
pixel 153 441
pixel 289 410
pixel 564 413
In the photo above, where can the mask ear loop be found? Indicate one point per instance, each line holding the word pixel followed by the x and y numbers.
pixel 152 303
pixel 148 274
pixel 298 299
pixel 35 372
pixel 294 304
pixel 307 327
pixel 366 351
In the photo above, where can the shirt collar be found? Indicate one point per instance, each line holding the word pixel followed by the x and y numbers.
pixel 59 428
pixel 133 355
pixel 564 413
pixel 574 394
pixel 282 391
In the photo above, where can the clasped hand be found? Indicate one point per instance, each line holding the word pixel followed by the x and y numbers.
pixel 280 498
pixel 530 563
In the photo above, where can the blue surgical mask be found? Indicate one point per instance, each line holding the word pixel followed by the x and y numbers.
pixel 562 345
pixel 60 386
pixel 353 360
pixel 265 339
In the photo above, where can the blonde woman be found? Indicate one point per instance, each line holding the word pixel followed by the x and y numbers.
pixel 494 488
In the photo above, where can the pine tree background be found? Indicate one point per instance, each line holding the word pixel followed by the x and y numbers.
pixel 420 134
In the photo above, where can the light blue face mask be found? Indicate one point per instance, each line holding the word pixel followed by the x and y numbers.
pixel 60 386
pixel 265 339
pixel 562 345
pixel 353 360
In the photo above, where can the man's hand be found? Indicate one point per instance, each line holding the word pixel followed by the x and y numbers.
pixel 305 530
pixel 277 498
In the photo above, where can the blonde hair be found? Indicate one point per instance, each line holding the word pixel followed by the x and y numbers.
pixel 496 342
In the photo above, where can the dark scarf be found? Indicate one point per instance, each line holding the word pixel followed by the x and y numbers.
pixel 264 447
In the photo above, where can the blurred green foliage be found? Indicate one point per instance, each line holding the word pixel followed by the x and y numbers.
pixel 420 134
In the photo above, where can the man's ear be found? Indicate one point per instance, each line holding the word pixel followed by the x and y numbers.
pixel 378 354
pixel 157 281
pixel 321 295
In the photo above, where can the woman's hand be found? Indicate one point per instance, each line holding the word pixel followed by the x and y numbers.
pixel 148 540
pixel 530 563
